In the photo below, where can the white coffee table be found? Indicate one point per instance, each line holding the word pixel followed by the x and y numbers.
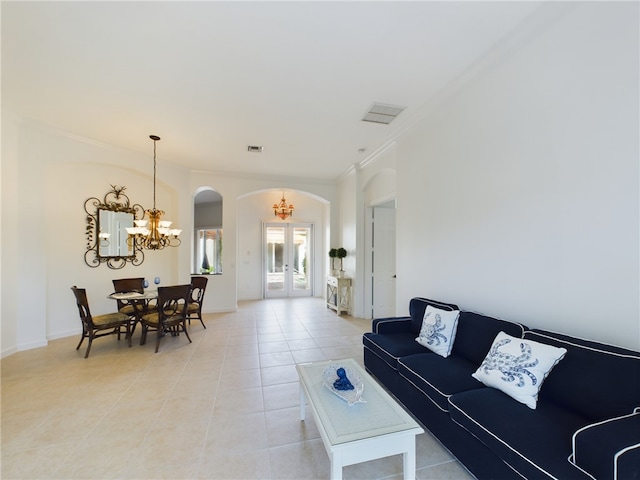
pixel 361 432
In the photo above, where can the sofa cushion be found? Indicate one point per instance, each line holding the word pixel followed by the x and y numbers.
pixel 392 346
pixel 438 378
pixel 476 333
pixel 595 380
pixel 609 449
pixel 438 331
pixel 518 367
pixel 418 305
pixel 536 443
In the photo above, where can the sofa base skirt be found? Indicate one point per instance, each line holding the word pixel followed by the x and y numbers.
pixel 469 451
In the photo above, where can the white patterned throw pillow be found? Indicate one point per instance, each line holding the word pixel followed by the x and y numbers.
pixel 438 330
pixel 518 367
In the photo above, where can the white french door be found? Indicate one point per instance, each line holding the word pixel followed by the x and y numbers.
pixel 288 259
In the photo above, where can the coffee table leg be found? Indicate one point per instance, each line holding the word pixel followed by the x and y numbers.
pixel 409 461
pixel 303 400
pixel 336 466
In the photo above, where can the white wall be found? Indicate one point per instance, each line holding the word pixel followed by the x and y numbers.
pixel 347 238
pixel 50 175
pixel 518 195
pixel 9 241
pixel 244 199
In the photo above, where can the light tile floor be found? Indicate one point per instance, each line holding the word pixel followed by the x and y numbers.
pixel 224 407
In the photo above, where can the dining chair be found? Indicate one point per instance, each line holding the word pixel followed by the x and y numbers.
pixel 194 309
pixel 122 285
pixel 134 308
pixel 171 314
pixel 100 325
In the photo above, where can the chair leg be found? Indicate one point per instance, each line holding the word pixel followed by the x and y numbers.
pixel 158 340
pixel 199 318
pixel 134 322
pixel 184 327
pixel 81 340
pixel 128 327
pixel 143 336
pixel 86 355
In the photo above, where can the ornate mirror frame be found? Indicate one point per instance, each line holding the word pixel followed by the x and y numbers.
pixel 114 201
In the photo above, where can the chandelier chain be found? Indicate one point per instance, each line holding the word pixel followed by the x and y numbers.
pixel 154 172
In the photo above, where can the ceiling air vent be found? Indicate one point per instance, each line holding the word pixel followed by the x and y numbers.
pixel 381 113
pixel 255 148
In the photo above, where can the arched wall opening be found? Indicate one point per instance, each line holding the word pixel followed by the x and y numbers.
pixel 254 209
pixel 206 257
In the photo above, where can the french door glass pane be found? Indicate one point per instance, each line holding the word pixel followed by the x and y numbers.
pixel 301 258
pixel 275 259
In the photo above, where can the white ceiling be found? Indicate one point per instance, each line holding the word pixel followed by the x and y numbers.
pixel 211 78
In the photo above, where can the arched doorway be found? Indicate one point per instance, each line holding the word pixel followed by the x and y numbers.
pixel 254 211
pixel 207 221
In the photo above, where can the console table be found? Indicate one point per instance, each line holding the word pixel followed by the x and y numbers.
pixel 339 294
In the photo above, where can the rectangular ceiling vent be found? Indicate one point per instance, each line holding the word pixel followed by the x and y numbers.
pixel 255 148
pixel 381 113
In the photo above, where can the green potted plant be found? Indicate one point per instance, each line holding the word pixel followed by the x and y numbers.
pixel 341 253
pixel 333 253
pixel 205 267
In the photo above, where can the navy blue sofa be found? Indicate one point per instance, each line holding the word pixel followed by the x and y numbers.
pixel 586 423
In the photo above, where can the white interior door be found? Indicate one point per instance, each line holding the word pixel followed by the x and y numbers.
pixel 288 259
pixel 384 261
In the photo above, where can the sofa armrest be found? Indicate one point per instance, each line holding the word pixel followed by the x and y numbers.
pixel 391 325
pixel 627 463
pixel 609 449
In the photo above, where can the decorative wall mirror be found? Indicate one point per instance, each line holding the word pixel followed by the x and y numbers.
pixel 107 238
